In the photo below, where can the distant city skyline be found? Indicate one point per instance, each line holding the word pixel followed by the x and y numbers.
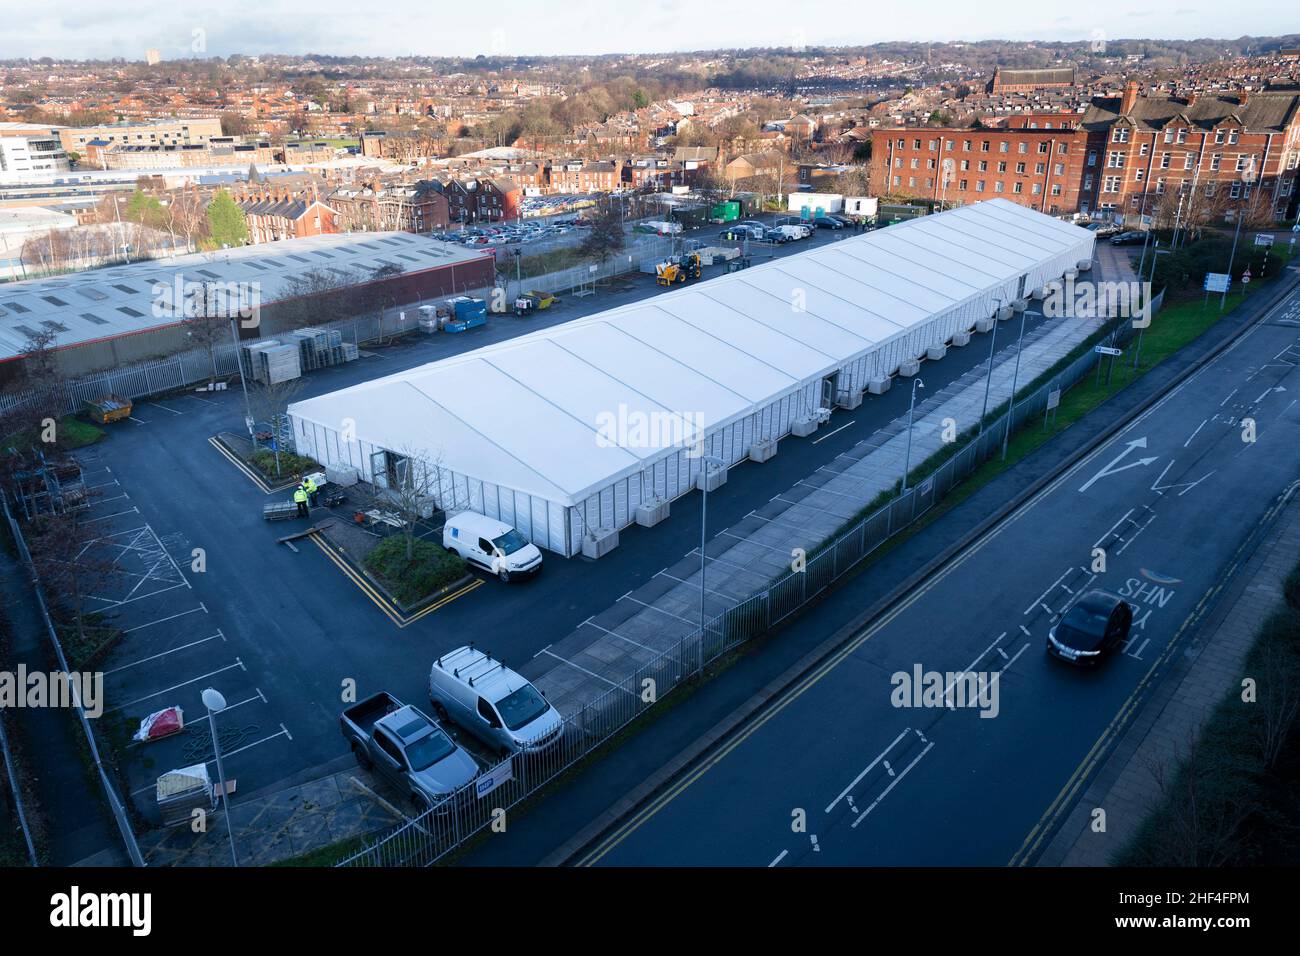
pixel 127 29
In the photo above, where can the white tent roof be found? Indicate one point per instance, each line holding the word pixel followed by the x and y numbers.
pixel 525 413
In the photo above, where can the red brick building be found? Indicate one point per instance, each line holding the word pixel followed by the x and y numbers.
pixel 1026 81
pixel 1142 148
pixel 407 207
pixel 1036 167
pixel 274 214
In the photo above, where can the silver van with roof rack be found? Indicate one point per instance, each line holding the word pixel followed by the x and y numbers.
pixel 492 702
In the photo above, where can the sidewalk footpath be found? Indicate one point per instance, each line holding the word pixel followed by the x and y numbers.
pixel 278 825
pixel 1128 785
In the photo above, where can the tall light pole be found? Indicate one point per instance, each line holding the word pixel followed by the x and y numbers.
pixel 1015 378
pixel 705 462
pixel 907 458
pixel 215 703
pixel 988 382
pixel 945 179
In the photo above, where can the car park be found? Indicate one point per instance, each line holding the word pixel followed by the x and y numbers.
pixel 1132 238
pixel 491 545
pixel 492 702
pixel 1093 628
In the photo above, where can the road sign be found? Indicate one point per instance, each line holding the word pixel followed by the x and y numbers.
pixel 498 775
pixel 1053 398
pixel 1107 350
pixel 1263 239
pixel 1217 281
pixel 1245 276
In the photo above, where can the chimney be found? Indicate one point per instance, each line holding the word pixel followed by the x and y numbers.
pixel 1192 98
pixel 1129 98
pixel 1243 97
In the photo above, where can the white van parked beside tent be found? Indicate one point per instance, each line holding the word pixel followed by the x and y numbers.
pixel 491 545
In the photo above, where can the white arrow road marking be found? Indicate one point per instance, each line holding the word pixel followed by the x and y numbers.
pixel 1110 469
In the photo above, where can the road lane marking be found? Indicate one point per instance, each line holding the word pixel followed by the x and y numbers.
pixel 652 807
pixel 894 783
pixel 779 857
pixel 858 779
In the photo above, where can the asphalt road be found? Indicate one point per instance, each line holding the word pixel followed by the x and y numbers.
pixel 296 629
pixel 1170 499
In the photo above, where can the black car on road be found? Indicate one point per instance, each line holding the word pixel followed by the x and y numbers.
pixel 1131 238
pixel 1092 629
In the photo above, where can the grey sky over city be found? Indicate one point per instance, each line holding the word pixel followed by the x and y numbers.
pixel 126 28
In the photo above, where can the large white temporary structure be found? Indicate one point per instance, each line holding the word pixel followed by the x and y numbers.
pixel 565 431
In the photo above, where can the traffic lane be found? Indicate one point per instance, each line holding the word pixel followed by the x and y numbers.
pixel 1049 750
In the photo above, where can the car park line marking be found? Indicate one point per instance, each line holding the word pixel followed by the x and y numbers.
pixel 866 770
pixel 131 510
pixel 1193 435
pixel 261 695
pixel 136 420
pixel 168 690
pixel 579 667
pixel 105 484
pixel 892 784
pixel 1112 528
pixel 227 754
pixel 154 657
pixel 780 856
pixel 284 728
pixel 170 617
pixel 836 432
pixel 759 543
pixel 623 830
pixel 1123 547
pixel 197 399
pixel 152 787
pixel 662 611
pixel 1225 401
pixel 164 408
pixel 544 649
pixel 104 501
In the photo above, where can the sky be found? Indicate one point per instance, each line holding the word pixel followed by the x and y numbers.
pixel 77 29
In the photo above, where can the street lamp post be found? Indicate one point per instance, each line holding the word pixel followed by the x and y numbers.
pixel 243 379
pixel 907 458
pixel 1015 378
pixel 1247 177
pixel 705 462
pixel 215 702
pixel 988 382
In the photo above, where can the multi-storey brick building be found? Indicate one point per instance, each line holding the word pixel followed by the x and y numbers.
pixel 1036 167
pixel 1141 148
pixel 1026 81
pixel 417 207
pixel 176 132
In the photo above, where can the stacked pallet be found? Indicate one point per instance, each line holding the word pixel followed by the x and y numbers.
pixel 319 348
pixel 279 363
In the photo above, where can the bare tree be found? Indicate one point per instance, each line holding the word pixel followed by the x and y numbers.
pixel 269 402
pixel 412 484
pixel 70 571
pixel 1279 699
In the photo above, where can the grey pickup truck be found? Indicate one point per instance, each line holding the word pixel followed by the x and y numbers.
pixel 407 749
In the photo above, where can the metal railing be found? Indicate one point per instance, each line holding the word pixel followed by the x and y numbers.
pixel 16 795
pixel 440 830
pixel 115 803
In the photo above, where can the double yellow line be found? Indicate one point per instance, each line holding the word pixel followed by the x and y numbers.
pixel 379 600
pixel 252 476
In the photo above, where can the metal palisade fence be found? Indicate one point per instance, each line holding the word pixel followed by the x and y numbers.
pixel 440 830
pixel 111 796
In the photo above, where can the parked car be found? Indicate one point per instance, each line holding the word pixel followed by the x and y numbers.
pixel 492 702
pixel 1092 629
pixel 406 748
pixel 1132 238
pixel 826 222
pixel 491 545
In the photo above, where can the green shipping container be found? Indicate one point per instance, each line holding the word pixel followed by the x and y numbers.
pixel 726 211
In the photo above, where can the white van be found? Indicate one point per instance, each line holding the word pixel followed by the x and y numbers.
pixel 492 702
pixel 491 545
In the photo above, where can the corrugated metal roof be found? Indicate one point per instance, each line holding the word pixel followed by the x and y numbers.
pixel 524 413
pixel 125 295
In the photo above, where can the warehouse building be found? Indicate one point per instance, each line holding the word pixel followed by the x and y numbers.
pixel 108 317
pixel 564 433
